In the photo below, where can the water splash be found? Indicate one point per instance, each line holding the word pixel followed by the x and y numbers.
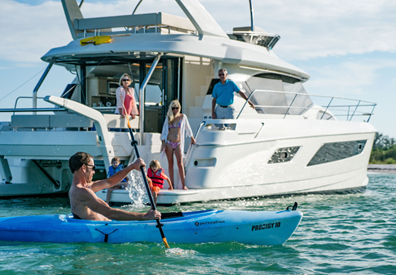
pixel 179 251
pixel 137 190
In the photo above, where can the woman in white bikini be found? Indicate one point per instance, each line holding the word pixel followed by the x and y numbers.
pixel 175 128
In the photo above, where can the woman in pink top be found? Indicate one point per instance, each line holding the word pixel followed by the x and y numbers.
pixel 127 94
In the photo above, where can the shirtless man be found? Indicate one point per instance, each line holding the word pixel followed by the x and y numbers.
pixel 83 200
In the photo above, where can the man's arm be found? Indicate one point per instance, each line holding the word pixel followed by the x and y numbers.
pixel 213 108
pixel 117 177
pixel 99 206
pixel 243 95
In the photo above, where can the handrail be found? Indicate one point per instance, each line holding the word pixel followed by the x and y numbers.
pixel 141 95
pixel 251 15
pixel 331 100
pixel 290 106
pixel 349 117
pixel 136 7
pixel 244 104
pixel 314 95
pixel 25 110
pixel 372 111
pixel 132 24
pixel 35 91
pixel 34 97
pixel 188 157
pixel 22 110
pixel 19 97
pixel 355 110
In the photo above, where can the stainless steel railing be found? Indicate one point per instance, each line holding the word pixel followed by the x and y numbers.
pixel 190 148
pixel 357 108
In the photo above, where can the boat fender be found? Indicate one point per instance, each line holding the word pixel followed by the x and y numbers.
pixel 96 40
pixel 294 207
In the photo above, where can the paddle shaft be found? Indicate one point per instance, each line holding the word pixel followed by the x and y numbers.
pixel 134 144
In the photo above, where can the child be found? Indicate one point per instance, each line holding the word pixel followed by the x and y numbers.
pixel 157 176
pixel 114 168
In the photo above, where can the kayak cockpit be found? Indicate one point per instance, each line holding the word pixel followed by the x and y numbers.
pixel 165 216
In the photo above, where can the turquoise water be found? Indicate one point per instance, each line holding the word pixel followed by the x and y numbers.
pixel 348 233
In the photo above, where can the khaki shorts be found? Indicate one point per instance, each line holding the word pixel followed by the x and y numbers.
pixel 225 113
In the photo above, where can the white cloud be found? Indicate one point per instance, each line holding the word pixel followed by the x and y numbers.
pixel 309 28
pixel 31 30
pixel 353 78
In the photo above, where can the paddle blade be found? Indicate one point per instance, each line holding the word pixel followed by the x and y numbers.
pixel 165 242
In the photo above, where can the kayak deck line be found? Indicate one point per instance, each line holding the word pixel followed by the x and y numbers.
pixel 215 226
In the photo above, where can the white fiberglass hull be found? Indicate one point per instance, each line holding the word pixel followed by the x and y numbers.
pixel 336 183
pixel 225 165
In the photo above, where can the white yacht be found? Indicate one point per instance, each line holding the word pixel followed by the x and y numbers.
pixel 291 143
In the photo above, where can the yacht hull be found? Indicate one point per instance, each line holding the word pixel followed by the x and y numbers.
pixel 337 184
pixel 224 165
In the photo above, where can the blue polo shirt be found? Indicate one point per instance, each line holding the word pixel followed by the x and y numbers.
pixel 224 93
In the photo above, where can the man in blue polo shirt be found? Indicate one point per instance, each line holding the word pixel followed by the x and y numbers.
pixel 223 95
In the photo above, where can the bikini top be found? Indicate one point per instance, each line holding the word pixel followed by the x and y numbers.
pixel 175 126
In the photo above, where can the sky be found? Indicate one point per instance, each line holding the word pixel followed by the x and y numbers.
pixel 347 46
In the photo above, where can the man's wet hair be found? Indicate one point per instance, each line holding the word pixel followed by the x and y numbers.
pixel 78 159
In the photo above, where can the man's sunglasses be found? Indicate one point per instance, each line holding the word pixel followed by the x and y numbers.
pixel 93 166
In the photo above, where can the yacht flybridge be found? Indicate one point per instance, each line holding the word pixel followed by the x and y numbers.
pixel 291 143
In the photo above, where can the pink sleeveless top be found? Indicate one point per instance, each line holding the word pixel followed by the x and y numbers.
pixel 130 105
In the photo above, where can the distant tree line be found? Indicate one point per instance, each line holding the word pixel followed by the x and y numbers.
pixel 384 150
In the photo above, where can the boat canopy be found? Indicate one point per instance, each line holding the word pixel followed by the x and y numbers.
pixel 143 36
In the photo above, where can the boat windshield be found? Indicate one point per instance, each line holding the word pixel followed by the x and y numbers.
pixel 275 93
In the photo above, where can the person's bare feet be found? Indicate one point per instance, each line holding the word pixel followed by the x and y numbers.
pixel 185 187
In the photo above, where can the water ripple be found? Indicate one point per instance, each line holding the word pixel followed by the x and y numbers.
pixel 343 234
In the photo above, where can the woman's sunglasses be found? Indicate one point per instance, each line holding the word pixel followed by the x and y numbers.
pixel 175 108
pixel 126 79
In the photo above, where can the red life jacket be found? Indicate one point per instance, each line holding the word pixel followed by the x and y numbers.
pixel 157 178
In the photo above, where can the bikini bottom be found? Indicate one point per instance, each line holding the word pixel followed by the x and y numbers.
pixel 173 144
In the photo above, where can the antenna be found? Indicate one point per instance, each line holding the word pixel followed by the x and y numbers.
pixel 251 15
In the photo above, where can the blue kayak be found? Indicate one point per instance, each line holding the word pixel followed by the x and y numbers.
pixel 260 227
